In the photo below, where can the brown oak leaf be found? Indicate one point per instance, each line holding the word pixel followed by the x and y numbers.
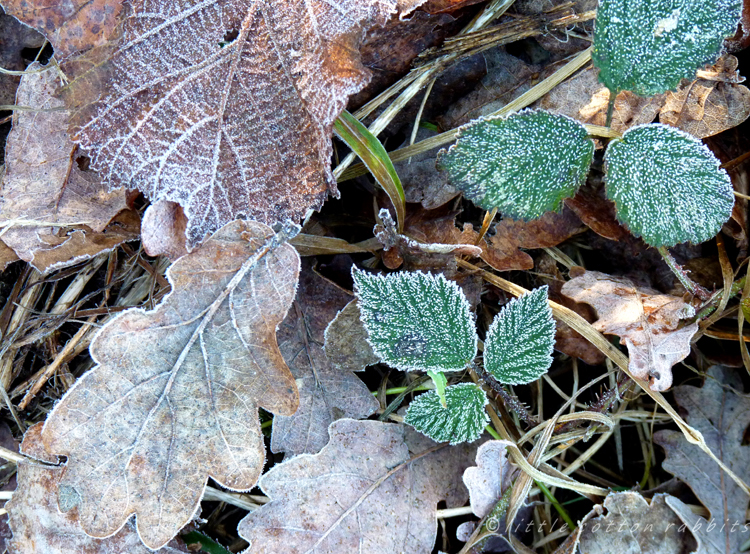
pixel 40 528
pixel 223 107
pixel 362 493
pixel 645 320
pixel 174 397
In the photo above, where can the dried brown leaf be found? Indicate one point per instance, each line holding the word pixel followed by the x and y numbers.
pixel 490 478
pixel 645 320
pixel 163 230
pixel 597 212
pixel 44 189
pixel 175 394
pixel 346 340
pixel 722 416
pixel 327 392
pixel 361 493
pixel 40 528
pixel 223 107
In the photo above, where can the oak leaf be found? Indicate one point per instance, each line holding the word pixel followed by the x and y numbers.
pixel 368 491
pixel 44 189
pixel 223 107
pixel 39 527
pixel 327 391
pixel 645 320
pixel 174 397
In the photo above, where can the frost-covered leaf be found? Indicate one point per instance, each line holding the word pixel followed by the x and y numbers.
pixel 645 320
pixel 519 343
pixel 490 478
pixel 175 393
pixel 327 391
pixel 359 494
pixel 722 416
pixel 40 528
pixel 52 213
pixel 524 165
pixel 462 420
pixel 649 46
pixel 346 340
pixel 225 107
pixel 667 186
pixel 416 321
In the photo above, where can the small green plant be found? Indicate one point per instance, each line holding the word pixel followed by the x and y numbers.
pixel 421 322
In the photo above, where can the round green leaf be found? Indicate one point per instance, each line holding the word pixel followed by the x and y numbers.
pixel 462 420
pixel 648 46
pixel 667 186
pixel 416 321
pixel 524 165
pixel 519 343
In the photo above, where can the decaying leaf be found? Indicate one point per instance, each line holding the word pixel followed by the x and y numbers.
pixel 174 396
pixel 39 527
pixel 722 416
pixel 632 525
pixel 346 340
pixel 163 230
pixel 361 493
pixel 327 392
pixel 223 107
pixel 490 478
pixel 645 320
pixel 44 189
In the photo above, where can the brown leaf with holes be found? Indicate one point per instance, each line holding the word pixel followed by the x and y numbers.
pixel 327 391
pixel 225 108
pixel 175 395
pixel 39 527
pixel 52 212
pixel 645 320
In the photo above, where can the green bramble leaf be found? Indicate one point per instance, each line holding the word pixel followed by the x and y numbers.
pixel 462 420
pixel 667 186
pixel 648 46
pixel 518 347
pixel 416 321
pixel 524 165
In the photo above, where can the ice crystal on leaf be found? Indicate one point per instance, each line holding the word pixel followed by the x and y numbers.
pixel 647 47
pixel 462 420
pixel 667 186
pixel 524 165
pixel 518 347
pixel 416 321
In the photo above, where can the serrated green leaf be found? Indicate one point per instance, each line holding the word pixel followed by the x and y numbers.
pixel 648 46
pixel 524 165
pixel 667 186
pixel 462 420
pixel 518 347
pixel 416 321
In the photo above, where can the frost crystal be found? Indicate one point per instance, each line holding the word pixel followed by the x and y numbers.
pixel 416 321
pixel 524 165
pixel 462 420
pixel 518 347
pixel 667 186
pixel 649 46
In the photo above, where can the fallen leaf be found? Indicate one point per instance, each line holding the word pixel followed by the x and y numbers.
pixel 593 208
pixel 327 392
pixel 163 230
pixel 346 340
pixel 490 478
pixel 722 416
pixel 645 320
pixel 361 493
pixel 239 123
pixel 39 527
pixel 175 394
pixel 72 25
pixel 633 526
pixel 44 189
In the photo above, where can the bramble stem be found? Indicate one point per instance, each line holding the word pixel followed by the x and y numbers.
pixel 610 109
pixel 682 275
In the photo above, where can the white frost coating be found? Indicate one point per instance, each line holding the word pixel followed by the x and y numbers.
pixel 667 24
pixel 519 344
pixel 416 321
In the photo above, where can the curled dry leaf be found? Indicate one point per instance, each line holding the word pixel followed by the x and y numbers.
pixel 367 491
pixel 163 230
pixel 327 392
pixel 175 394
pixel 39 527
pixel 722 415
pixel 239 123
pixel 44 189
pixel 490 478
pixel 645 320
